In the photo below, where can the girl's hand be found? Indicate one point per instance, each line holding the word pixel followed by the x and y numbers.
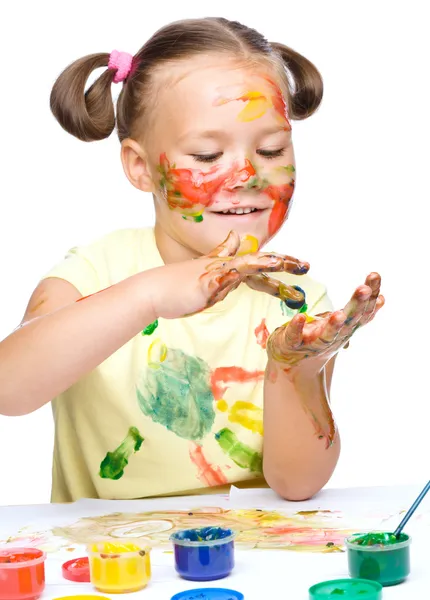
pixel 305 341
pixel 186 288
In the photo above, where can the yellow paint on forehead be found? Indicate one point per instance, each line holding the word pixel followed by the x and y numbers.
pixel 257 101
pixel 257 104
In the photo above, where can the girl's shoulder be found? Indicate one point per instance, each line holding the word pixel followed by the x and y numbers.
pixel 108 259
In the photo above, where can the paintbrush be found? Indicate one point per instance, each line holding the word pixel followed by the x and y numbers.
pixel 411 511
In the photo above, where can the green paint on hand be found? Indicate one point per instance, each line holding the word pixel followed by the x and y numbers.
pixel 304 308
pixel 114 463
pixel 178 395
pixel 149 329
pixel 244 456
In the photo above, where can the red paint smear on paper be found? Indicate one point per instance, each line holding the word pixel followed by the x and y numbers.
pixel 227 375
pixel 262 334
pixel 308 536
pixel 208 474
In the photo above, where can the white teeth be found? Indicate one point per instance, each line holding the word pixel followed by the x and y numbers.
pixel 238 211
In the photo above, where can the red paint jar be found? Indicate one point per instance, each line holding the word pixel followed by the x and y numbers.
pixel 22 573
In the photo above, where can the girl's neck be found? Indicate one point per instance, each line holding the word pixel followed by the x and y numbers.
pixel 170 249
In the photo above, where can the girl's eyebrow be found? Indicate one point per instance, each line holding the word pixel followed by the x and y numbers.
pixel 202 134
pixel 216 134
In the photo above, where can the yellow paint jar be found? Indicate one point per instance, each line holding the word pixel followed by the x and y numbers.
pixel 118 568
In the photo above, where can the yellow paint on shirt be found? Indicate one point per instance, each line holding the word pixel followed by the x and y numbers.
pixel 222 405
pixel 248 415
pixel 157 353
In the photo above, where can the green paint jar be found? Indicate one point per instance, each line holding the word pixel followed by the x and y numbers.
pixel 387 562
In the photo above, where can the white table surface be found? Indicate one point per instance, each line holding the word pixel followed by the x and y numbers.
pixel 280 574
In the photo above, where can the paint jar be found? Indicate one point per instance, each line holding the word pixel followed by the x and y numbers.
pixel 387 563
pixel 118 568
pixel 22 573
pixel 204 554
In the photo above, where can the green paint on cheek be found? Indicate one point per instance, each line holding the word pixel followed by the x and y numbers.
pixel 290 169
pixel 178 395
pixel 195 218
pixel 149 329
pixel 114 463
pixel 244 456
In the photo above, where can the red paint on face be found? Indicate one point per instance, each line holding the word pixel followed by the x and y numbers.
pixel 279 103
pixel 262 334
pixel 227 375
pixel 208 474
pixel 190 188
pixel 281 194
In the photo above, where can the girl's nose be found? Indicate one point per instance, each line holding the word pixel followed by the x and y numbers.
pixel 242 176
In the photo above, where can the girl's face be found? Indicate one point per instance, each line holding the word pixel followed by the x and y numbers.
pixel 220 155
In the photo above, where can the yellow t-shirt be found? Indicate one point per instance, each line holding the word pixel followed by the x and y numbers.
pixel 174 410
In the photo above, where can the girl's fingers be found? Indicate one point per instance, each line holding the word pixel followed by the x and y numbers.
pixel 330 332
pixel 291 335
pixel 294 296
pixel 373 280
pixel 260 262
pixel 217 283
pixel 380 301
pixel 228 247
pixel 357 305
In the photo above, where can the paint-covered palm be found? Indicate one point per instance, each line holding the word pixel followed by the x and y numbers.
pixel 315 340
pixel 186 288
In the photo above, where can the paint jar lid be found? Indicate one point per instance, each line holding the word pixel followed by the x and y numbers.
pixel 208 594
pixel 348 589
pixel 77 569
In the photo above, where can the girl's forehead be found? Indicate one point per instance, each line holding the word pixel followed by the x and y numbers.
pixel 202 89
pixel 206 79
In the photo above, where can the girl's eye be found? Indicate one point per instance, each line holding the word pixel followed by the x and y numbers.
pixel 271 153
pixel 207 157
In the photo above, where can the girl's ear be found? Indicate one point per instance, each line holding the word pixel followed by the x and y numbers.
pixel 136 167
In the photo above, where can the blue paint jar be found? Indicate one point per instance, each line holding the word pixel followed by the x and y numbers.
pixel 204 554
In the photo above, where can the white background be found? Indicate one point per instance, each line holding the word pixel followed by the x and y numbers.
pixel 360 202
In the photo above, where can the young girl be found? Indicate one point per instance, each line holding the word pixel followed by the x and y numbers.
pixel 161 346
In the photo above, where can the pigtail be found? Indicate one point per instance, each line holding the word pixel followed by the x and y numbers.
pixel 306 87
pixel 88 115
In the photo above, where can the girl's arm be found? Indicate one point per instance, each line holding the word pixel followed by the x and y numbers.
pixel 64 336
pixel 61 339
pixel 301 444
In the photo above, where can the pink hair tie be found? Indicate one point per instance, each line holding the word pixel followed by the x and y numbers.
pixel 121 63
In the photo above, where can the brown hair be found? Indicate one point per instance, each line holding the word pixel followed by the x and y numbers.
pixel 90 115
